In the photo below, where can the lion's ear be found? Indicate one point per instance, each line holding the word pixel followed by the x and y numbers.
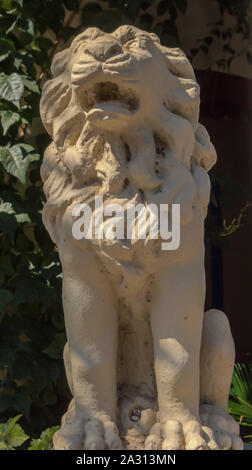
pixel 55 177
pixel 204 152
pixel 50 160
pixel 60 62
pixel 154 38
pixel 91 33
pixel 56 95
pixel 178 64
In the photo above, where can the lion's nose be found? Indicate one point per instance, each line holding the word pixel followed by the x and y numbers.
pixel 103 50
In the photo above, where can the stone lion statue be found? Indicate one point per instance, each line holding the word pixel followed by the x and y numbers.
pixel 146 367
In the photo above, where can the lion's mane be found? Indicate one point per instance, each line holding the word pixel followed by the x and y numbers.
pixel 75 164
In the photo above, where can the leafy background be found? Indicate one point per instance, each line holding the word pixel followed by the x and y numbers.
pixel 32 380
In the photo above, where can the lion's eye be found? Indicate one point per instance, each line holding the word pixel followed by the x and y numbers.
pixel 86 51
pixel 130 44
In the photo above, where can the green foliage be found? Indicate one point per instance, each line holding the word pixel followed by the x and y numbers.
pixel 240 401
pixel 45 440
pixel 31 321
pixel 11 88
pixel 160 20
pixel 12 435
pixel 223 36
pixel 159 16
pixel 228 229
pixel 225 191
pixel 16 159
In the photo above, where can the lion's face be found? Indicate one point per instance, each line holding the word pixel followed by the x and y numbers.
pixel 114 77
pixel 105 80
pixel 116 80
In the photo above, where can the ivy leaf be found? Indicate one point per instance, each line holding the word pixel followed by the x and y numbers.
pixel 11 422
pixel 194 52
pixel 107 20
pixel 8 118
pixel 3 446
pixel 45 440
pixel 44 43
pixel 6 47
pixel 204 49
pixel 7 357
pixel 5 298
pixel 11 87
pixel 40 378
pixel 130 8
pixel 25 59
pixel 89 13
pixel 208 40
pixel 162 8
pixel 54 372
pixel 22 368
pixel 41 58
pixel 30 84
pixel 170 29
pixel 17 158
pixel 71 4
pixel 27 25
pixel 26 289
pixel 30 288
pixel 18 61
pixel 145 21
pixel 181 5
pixel 215 32
pixel 8 21
pixel 8 223
pixel 27 114
pixel 55 348
pixel 92 6
pixel 6 268
pixel 48 395
pixel 16 436
pixel 22 403
pixel 11 205
pixel 22 218
pixel 5 403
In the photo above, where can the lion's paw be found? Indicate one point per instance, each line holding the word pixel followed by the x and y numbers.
pixel 97 433
pixel 101 434
pixel 174 435
pixel 224 427
pixel 70 435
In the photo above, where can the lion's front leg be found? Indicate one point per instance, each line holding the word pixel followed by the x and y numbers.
pixel 176 319
pixel 216 370
pixel 91 325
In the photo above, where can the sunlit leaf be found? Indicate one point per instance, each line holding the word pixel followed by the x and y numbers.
pixel 11 87
pixel 8 118
pixel 16 159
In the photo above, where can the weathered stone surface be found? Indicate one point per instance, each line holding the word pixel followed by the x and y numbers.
pixel 123 111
